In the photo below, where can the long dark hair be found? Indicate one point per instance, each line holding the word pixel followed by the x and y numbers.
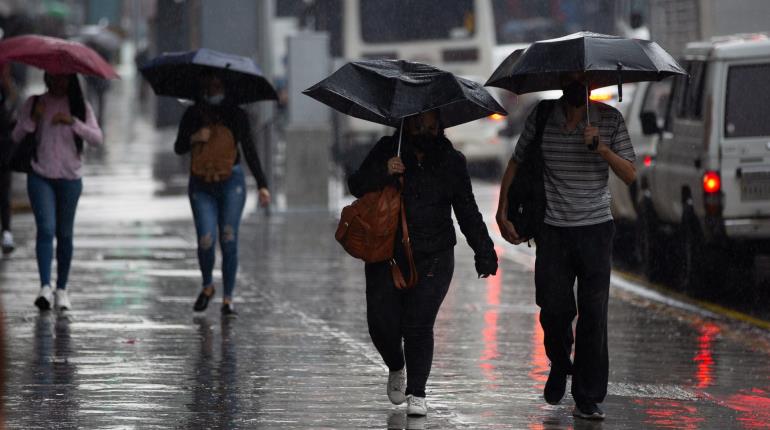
pixel 77 104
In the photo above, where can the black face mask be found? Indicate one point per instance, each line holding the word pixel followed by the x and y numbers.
pixel 424 142
pixel 575 94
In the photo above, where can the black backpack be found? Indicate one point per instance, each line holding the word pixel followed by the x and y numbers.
pixel 526 195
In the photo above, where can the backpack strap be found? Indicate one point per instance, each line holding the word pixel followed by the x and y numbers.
pixel 544 110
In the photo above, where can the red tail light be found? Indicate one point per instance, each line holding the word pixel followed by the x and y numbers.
pixel 712 183
pixel 648 161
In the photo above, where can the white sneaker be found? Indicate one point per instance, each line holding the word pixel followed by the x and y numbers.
pixel 44 298
pixel 397 386
pixel 416 406
pixel 62 300
pixel 8 245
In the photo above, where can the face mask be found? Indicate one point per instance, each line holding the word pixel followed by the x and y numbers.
pixel 215 100
pixel 575 94
pixel 424 142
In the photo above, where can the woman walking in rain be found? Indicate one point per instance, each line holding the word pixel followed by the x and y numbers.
pixel 211 131
pixel 62 121
pixel 436 181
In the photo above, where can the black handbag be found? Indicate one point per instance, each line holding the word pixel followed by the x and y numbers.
pixel 22 153
pixel 526 195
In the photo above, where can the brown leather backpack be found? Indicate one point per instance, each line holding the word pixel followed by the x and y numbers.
pixel 368 227
pixel 213 159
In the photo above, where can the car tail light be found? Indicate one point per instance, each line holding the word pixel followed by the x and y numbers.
pixel 496 117
pixel 712 183
pixel 648 160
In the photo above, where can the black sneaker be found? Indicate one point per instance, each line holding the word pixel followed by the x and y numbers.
pixel 555 386
pixel 202 302
pixel 588 411
pixel 228 310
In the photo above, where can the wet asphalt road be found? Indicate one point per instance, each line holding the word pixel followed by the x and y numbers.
pixel 132 354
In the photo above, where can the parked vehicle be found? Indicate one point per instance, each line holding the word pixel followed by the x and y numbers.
pixel 641 99
pixel 708 190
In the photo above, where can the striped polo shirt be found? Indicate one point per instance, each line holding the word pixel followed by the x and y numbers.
pixel 576 189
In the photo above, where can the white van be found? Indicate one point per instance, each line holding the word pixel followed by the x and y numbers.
pixel 709 184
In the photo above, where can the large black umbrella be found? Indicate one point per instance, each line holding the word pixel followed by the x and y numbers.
pixel 178 74
pixel 387 91
pixel 605 59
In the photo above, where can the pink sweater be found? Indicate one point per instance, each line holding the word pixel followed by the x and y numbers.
pixel 57 156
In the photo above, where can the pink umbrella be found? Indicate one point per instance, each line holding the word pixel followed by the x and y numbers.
pixel 55 56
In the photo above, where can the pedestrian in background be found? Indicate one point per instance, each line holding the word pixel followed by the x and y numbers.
pixel 575 242
pixel 211 131
pixel 436 181
pixel 8 101
pixel 62 121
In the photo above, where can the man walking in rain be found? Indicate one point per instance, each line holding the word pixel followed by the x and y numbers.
pixel 575 241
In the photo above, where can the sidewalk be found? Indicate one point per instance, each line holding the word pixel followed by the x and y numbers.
pixel 132 354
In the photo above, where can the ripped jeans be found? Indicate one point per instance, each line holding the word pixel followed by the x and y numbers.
pixel 217 208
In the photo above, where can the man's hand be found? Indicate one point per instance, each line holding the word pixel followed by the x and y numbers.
pixel 588 135
pixel 396 166
pixel 507 229
pixel 264 197
pixel 201 136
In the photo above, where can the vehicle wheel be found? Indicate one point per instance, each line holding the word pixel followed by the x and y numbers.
pixel 651 246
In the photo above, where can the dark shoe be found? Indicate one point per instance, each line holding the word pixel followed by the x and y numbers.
pixel 555 386
pixel 228 310
pixel 588 411
pixel 202 302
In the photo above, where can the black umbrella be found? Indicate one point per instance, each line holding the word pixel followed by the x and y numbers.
pixel 387 91
pixel 177 74
pixel 605 59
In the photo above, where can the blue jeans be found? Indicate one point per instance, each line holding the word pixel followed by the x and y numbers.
pixel 217 208
pixel 54 202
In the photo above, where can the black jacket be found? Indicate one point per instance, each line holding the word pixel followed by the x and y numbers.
pixel 431 190
pixel 235 119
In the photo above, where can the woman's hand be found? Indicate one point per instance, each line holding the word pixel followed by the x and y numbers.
pixel 396 166
pixel 201 136
pixel 62 118
pixel 39 111
pixel 264 197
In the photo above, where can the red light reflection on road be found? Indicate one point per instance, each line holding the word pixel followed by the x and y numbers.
pixel 671 414
pixel 540 363
pixel 704 358
pixel 753 407
pixel 489 332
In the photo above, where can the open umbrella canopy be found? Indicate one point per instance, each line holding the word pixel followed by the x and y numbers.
pixel 178 74
pixel 386 91
pixel 55 56
pixel 606 60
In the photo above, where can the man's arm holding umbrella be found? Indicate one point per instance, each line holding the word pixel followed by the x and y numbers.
pixel 618 152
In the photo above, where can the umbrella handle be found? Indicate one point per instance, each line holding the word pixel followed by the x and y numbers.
pixel 595 143
pixel 400 133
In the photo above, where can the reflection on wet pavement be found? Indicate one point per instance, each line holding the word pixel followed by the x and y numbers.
pixel 132 354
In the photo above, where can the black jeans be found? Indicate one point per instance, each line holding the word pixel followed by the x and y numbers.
pixel 394 315
pixel 564 254
pixel 5 198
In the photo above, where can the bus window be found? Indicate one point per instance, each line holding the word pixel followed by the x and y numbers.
pixel 408 20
